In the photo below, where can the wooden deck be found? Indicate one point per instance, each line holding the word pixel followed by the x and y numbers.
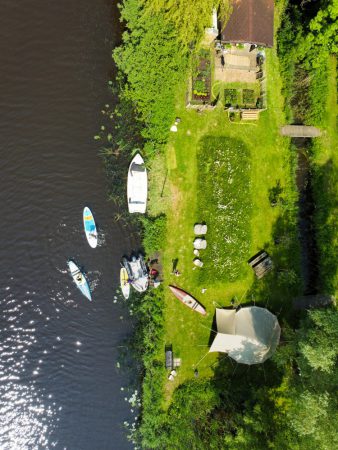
pixel 300 131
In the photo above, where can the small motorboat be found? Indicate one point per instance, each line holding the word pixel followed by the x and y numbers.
pixel 90 227
pixel 79 279
pixel 187 300
pixel 137 272
pixel 124 281
pixel 137 185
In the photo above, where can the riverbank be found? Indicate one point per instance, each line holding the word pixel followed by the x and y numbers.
pixel 239 179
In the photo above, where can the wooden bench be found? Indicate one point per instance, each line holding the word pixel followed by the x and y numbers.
pixel 250 114
pixel 261 263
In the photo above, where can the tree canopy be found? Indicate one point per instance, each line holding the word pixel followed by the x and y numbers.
pixel 190 17
pixel 152 63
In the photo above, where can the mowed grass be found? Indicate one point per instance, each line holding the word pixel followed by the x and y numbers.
pixel 267 154
pixel 224 203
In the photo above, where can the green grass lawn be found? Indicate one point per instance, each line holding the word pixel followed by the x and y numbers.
pixel 224 203
pixel 262 160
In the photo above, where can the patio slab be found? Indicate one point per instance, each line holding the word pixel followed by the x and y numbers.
pixel 234 75
pixel 239 66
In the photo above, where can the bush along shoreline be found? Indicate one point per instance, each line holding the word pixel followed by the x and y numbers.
pixel 289 401
pixel 307 48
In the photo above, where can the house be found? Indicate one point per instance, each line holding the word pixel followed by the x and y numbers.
pixel 251 22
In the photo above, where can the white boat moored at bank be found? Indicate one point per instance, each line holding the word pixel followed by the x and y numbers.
pixel 137 186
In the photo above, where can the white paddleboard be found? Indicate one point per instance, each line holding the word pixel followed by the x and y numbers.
pixel 90 227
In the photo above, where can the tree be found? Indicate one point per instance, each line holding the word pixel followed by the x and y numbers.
pixel 318 340
pixel 306 410
pixel 152 64
pixel 190 17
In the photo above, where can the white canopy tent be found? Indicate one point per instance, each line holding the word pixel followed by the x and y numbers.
pixel 249 336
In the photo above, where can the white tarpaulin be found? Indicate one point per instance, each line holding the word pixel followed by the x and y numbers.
pixel 249 336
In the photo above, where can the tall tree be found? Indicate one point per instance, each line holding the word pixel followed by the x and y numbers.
pixel 152 63
pixel 190 17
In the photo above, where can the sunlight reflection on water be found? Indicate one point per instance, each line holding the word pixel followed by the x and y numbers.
pixel 26 421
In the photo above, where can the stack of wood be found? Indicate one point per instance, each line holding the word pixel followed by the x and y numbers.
pixel 261 263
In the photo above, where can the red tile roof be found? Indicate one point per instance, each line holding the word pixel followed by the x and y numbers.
pixel 251 21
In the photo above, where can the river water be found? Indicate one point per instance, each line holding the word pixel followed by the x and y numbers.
pixel 59 386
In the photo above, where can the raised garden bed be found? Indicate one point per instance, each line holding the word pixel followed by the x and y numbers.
pixel 249 96
pixel 230 97
pixel 201 82
pixel 240 95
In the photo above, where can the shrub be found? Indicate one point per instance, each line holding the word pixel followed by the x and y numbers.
pixel 152 64
pixel 154 233
pixel 259 103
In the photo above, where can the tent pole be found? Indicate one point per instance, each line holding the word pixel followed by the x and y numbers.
pixel 215 303
pixel 210 329
pixel 195 365
pixel 240 300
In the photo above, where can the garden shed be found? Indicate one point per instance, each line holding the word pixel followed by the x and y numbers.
pixel 249 336
pixel 251 22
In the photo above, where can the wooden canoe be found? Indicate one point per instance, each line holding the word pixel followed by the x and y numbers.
pixel 187 300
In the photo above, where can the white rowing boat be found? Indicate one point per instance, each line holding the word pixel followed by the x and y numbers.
pixel 137 186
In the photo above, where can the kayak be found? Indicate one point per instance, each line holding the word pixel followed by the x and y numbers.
pixel 137 186
pixel 125 286
pixel 79 279
pixel 90 227
pixel 187 300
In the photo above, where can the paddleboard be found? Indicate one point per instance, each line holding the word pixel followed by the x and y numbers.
pixel 125 286
pixel 90 227
pixel 79 279
pixel 187 300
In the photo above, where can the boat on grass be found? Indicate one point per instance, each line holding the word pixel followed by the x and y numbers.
pixel 79 279
pixel 137 272
pixel 187 300
pixel 90 227
pixel 137 186
pixel 124 281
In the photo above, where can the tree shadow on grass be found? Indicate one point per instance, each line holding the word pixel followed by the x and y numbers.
pixel 278 287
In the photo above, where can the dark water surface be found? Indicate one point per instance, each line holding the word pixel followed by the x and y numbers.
pixel 59 387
